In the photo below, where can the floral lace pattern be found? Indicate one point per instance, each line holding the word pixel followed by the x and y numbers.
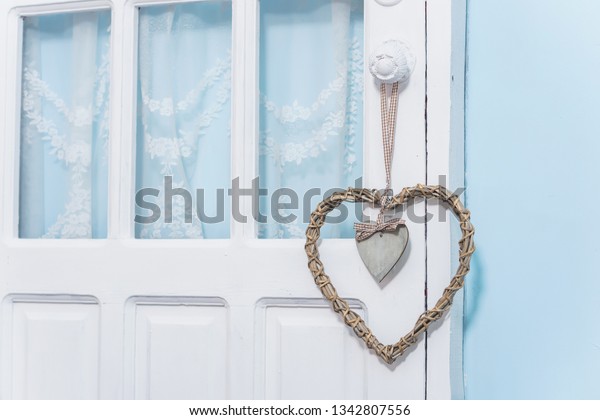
pixel 169 151
pixel 179 114
pixel 311 142
pixel 183 107
pixel 71 129
pixel 333 125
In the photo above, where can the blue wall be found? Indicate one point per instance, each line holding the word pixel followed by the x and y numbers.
pixel 532 313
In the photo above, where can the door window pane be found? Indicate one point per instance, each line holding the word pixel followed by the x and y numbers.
pixel 64 125
pixel 183 121
pixel 311 98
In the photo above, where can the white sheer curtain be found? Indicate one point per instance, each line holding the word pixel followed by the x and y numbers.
pixel 310 129
pixel 311 82
pixel 183 128
pixel 64 126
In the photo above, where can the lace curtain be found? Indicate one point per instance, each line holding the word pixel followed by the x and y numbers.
pixel 310 107
pixel 311 83
pixel 64 126
pixel 184 112
pixel 310 128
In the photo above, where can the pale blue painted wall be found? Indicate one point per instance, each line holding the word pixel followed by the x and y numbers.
pixel 532 324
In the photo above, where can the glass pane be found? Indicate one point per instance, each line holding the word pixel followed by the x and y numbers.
pixel 183 120
pixel 64 126
pixel 311 89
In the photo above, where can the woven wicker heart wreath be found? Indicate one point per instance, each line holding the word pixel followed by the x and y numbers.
pixel 389 353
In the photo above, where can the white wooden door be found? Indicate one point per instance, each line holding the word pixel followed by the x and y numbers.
pixel 236 318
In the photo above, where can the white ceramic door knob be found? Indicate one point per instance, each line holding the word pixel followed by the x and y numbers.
pixel 392 62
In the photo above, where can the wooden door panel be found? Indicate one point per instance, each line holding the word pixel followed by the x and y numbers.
pixel 177 348
pixel 303 352
pixel 51 346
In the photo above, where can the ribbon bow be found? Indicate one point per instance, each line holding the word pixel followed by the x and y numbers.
pixel 366 230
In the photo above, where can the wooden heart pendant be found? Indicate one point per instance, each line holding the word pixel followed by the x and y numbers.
pixel 382 251
pixel 389 353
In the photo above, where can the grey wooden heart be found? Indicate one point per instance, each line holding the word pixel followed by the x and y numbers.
pixel 382 251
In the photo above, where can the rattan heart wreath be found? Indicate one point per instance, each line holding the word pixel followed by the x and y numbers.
pixel 389 353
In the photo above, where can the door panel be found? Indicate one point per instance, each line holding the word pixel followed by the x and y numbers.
pixel 298 344
pixel 52 346
pixel 177 348
pixel 236 316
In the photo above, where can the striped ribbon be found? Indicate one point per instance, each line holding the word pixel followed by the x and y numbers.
pixel 388 130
